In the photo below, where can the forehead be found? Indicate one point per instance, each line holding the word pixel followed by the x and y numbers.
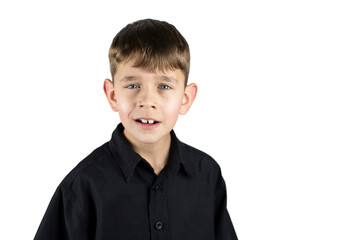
pixel 127 71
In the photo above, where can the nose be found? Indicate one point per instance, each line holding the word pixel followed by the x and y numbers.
pixel 147 98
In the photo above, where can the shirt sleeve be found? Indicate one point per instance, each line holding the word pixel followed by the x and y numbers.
pixel 62 220
pixel 224 229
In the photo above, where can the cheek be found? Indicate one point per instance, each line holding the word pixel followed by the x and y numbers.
pixel 124 105
pixel 172 104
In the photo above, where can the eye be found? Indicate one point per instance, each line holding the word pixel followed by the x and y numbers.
pixel 133 86
pixel 165 87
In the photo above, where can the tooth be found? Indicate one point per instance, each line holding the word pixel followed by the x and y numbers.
pixel 151 121
pixel 144 121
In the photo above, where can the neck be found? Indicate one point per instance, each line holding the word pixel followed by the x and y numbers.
pixel 156 154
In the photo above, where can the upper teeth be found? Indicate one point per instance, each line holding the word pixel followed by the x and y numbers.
pixel 147 121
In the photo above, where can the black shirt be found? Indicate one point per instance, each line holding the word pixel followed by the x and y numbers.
pixel 115 194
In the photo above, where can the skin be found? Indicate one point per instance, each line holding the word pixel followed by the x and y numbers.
pixel 136 93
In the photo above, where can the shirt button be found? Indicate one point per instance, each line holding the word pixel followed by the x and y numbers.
pixel 158 225
pixel 156 187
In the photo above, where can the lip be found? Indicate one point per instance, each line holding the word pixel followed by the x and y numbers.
pixel 145 126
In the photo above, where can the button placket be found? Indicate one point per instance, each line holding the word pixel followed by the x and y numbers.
pixel 158 225
pixel 158 211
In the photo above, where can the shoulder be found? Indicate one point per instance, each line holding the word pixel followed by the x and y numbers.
pixel 90 167
pixel 202 162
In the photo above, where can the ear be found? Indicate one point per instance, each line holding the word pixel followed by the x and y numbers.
pixel 189 95
pixel 109 90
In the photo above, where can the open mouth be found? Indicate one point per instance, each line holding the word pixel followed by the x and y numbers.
pixel 144 121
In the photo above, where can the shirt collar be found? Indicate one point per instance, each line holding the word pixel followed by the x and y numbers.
pixel 128 159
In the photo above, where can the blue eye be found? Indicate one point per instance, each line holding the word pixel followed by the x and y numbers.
pixel 132 86
pixel 165 87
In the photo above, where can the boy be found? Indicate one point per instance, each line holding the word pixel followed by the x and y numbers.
pixel 144 183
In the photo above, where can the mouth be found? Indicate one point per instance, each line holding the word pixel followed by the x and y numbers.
pixel 147 121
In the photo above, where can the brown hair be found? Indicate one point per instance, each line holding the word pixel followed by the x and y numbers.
pixel 154 45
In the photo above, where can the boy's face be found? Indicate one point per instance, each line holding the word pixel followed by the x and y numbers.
pixel 148 103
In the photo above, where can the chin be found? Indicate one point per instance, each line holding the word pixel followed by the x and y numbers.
pixel 148 139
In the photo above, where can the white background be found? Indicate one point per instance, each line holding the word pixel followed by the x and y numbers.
pixel 278 106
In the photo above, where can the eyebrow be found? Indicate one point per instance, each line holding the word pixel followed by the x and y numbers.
pixel 168 79
pixel 128 79
pixel 162 77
